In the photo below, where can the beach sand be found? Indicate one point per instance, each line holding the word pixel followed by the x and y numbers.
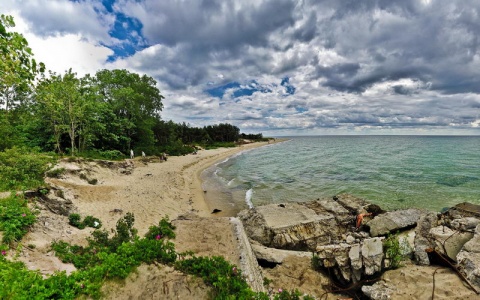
pixel 172 188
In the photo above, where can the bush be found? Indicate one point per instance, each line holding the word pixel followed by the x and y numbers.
pixel 75 220
pixel 393 251
pixel 22 169
pixel 99 154
pixel 55 173
pixel 15 218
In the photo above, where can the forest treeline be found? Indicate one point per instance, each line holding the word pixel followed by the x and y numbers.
pixel 105 114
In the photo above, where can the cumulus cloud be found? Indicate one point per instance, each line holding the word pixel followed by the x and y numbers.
pixel 281 66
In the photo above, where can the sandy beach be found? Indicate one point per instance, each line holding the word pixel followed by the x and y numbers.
pixel 152 189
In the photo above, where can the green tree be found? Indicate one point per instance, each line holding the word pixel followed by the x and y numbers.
pixel 63 105
pixel 135 103
pixel 17 66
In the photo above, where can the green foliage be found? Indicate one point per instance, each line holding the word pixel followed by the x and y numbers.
pixel 165 229
pixel 393 251
pixel 225 279
pixel 15 218
pixel 99 154
pixel 89 221
pixel 220 145
pixel 316 262
pixel 55 173
pixel 21 168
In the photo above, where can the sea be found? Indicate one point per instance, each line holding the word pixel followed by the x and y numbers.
pixel 395 172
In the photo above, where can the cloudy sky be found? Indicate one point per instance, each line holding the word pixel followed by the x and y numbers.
pixel 280 67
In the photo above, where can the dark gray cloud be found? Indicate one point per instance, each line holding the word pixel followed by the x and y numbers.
pixel 352 65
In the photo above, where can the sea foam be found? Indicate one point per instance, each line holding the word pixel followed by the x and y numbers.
pixel 248 198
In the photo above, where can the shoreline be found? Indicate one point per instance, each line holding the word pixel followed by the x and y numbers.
pixel 212 202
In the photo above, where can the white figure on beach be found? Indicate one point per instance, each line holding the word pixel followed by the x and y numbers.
pixel 131 154
pixel 143 154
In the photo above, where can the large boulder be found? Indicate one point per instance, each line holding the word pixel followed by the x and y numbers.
pixel 372 254
pixel 469 260
pixel 393 221
pixel 448 241
pixel 290 226
pixel 423 240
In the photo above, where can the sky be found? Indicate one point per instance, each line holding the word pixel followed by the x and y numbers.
pixel 278 67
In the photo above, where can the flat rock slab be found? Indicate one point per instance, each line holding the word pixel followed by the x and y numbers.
pixel 395 220
pixel 290 214
pixel 290 226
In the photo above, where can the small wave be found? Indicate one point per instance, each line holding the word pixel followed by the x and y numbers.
pixel 230 182
pixel 248 198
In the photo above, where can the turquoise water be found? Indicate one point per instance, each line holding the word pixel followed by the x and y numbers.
pixel 392 171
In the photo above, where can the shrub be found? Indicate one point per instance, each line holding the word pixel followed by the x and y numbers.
pixel 21 168
pixel 393 251
pixel 75 220
pixel 55 173
pixel 15 218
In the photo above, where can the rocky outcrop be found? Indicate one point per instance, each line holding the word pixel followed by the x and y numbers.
pixel 291 226
pixel 393 221
pixel 351 262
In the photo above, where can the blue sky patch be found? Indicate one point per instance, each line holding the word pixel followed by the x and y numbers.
pixel 290 89
pixel 127 30
pixel 239 90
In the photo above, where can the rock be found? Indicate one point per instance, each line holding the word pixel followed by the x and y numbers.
pixel 351 203
pixel 372 254
pixel 294 227
pixel 248 262
pixel 350 239
pixel 422 237
pixel 276 256
pixel 393 221
pixel 356 262
pixel 216 210
pixel 336 256
pixel 378 291
pixel 448 241
pixel 465 224
pixel 469 260
pixel 329 206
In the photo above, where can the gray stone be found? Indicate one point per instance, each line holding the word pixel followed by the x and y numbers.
pixel 351 203
pixel 378 291
pixel 393 221
pixel 276 256
pixel 422 237
pixel 291 227
pixel 372 254
pixel 356 262
pixel 465 224
pixel 469 260
pixel 448 241
pixel 329 206
pixel 336 256
pixel 350 239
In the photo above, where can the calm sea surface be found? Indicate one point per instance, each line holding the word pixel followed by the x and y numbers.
pixel 392 171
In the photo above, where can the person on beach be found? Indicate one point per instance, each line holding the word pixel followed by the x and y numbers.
pixel 132 156
pixel 143 154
